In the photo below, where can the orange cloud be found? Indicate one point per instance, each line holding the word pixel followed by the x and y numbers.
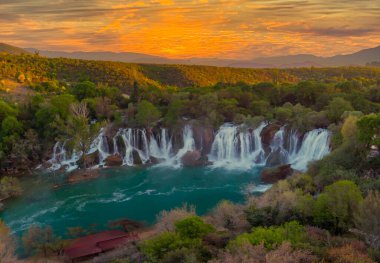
pixel 194 28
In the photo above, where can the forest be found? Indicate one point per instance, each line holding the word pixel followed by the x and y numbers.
pixel 330 213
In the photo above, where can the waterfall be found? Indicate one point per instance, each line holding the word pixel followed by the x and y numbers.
pixel 277 147
pixel 163 148
pixel 131 140
pixel 234 147
pixel 100 144
pixel 315 146
pixel 188 145
pixel 60 160
pixel 237 147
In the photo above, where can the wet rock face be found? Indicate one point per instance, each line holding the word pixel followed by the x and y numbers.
pixel 272 175
pixel 192 158
pixel 275 158
pixel 203 137
pixel 136 158
pixel 114 160
pixel 268 133
pixel 91 159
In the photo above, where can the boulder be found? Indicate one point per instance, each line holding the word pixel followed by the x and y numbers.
pixel 90 159
pixel 192 158
pixel 268 133
pixel 114 160
pixel 82 175
pixel 272 175
pixel 276 158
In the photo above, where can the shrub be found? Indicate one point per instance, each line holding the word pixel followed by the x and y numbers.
pixel 367 219
pixel 167 219
pixel 245 253
pixel 227 215
pixel 156 248
pixel 273 236
pixel 286 254
pixel 193 227
pixel 348 254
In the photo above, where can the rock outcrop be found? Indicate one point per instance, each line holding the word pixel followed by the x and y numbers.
pixel 114 160
pixel 268 133
pixel 272 175
pixel 192 158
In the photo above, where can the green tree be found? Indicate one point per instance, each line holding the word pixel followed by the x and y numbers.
pixel 10 126
pixel 85 89
pixel 174 112
pixel 147 114
pixel 193 227
pixel 157 247
pixel 337 107
pixel 342 200
pixel 260 107
pixel 369 129
pixel 135 97
pixel 6 110
pixel 80 131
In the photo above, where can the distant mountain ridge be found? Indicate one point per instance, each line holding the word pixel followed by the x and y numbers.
pixel 360 58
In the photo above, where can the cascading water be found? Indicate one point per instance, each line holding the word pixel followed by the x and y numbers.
pixel 60 158
pixel 188 145
pixel 161 149
pixel 235 147
pixel 100 144
pixel 315 146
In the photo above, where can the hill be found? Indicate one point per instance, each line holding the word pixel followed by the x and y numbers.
pixel 5 48
pixel 35 68
pixel 360 58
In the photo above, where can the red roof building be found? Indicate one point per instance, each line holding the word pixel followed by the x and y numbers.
pixel 92 245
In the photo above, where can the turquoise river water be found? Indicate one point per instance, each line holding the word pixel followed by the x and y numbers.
pixel 125 192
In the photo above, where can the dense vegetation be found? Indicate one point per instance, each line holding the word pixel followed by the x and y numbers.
pixel 329 214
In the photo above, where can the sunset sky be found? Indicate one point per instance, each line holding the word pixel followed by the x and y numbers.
pixel 239 29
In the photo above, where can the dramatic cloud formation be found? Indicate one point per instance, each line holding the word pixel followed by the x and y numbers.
pixel 193 28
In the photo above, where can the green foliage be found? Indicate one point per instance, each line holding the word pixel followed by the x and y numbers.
pixel 260 107
pixel 157 247
pixel 84 89
pixel 337 107
pixel 337 204
pixel 147 114
pixel 192 227
pixel 282 114
pixel 273 236
pixel 10 126
pixel 261 216
pixel 369 129
pixel 6 110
